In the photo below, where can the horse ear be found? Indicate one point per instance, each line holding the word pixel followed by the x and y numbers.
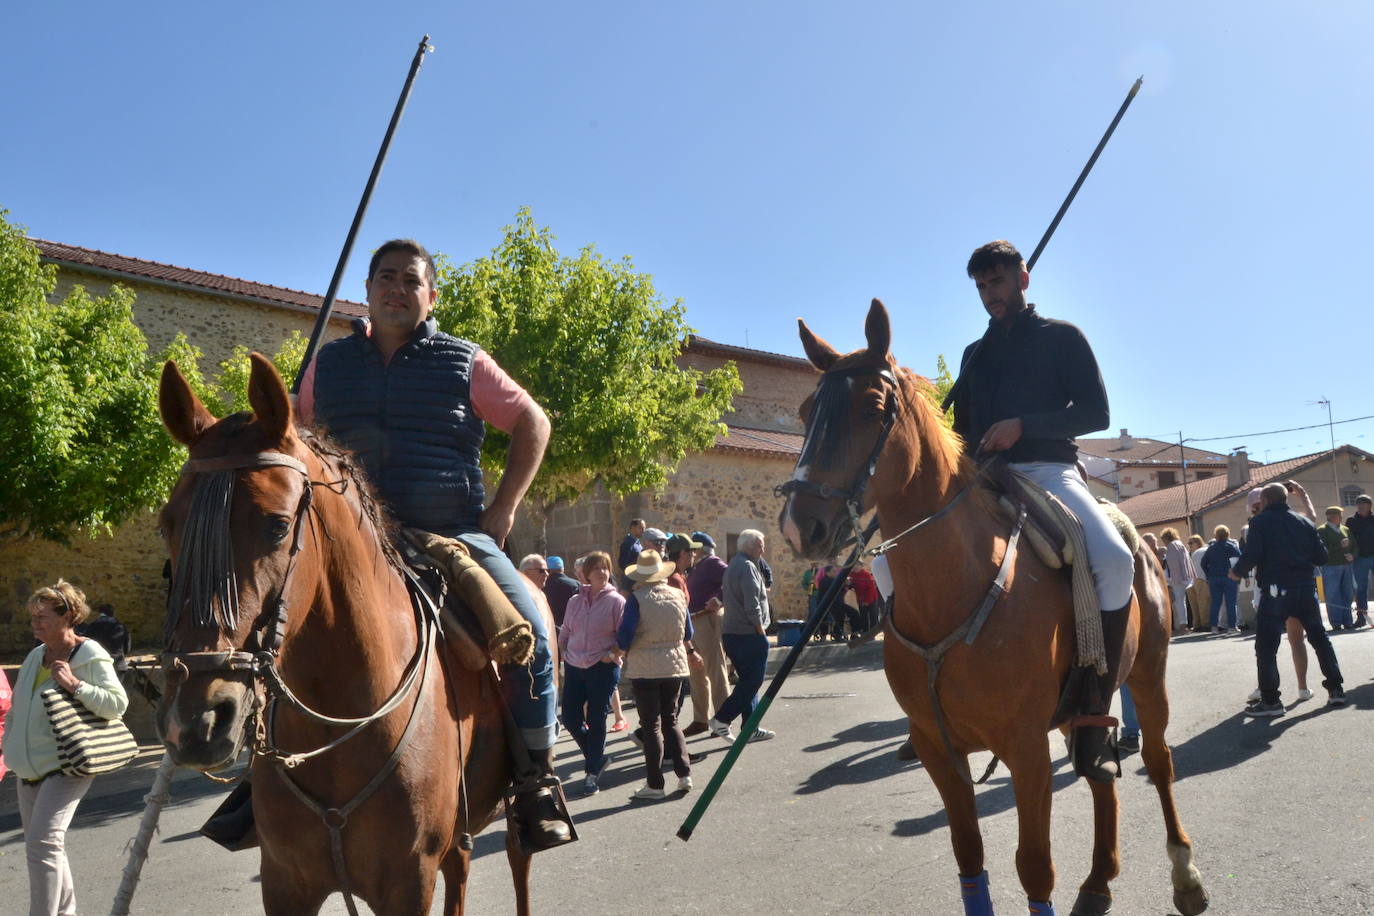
pixel 182 412
pixel 268 398
pixel 821 354
pixel 878 330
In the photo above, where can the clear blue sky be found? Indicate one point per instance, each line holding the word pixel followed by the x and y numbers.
pixel 765 161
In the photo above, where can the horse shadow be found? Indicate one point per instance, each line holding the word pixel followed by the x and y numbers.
pixel 1002 797
pixel 876 760
pixel 1236 738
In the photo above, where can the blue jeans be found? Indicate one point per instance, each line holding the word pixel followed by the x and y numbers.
pixel 1223 588
pixel 748 652
pixel 1338 581
pixel 1270 623
pixel 589 688
pixel 1364 566
pixel 1130 725
pixel 528 688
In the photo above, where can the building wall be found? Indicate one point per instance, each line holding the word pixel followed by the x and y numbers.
pixel 772 393
pixel 125 569
pixel 1136 479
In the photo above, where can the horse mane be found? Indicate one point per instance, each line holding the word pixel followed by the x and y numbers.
pixel 342 460
pixel 920 397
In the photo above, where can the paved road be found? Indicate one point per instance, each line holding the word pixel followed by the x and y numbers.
pixel 823 819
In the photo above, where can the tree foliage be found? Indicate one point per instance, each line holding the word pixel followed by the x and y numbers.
pixel 595 345
pixel 80 438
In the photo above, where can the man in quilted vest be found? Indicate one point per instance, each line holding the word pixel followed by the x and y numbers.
pixel 413 404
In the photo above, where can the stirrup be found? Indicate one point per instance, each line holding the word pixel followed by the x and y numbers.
pixel 1105 764
pixel 515 822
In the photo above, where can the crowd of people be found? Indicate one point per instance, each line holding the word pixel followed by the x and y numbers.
pixel 671 617
pixel 1279 558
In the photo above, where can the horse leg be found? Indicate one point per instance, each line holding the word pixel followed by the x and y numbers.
pixel 1095 895
pixel 1032 781
pixel 520 873
pixel 960 807
pixel 456 867
pixel 1152 706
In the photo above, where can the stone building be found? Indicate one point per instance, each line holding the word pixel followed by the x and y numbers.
pixel 1126 466
pixel 217 313
pixel 721 491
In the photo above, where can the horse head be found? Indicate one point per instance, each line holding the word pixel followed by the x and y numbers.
pixel 848 420
pixel 232 527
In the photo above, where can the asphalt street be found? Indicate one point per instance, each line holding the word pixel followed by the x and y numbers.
pixel 824 819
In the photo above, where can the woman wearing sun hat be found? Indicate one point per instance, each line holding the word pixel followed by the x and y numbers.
pixel 655 639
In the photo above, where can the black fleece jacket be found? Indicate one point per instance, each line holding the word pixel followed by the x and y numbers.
pixel 1041 371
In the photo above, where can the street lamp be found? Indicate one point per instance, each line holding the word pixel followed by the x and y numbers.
pixel 1331 430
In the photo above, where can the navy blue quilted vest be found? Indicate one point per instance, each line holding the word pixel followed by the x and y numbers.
pixel 410 422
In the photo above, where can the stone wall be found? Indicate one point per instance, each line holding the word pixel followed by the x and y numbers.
pixel 125 569
pixel 772 393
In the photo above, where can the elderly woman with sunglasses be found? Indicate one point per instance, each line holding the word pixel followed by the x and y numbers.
pixel 48 797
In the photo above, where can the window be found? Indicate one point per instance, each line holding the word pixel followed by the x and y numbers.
pixel 1166 479
pixel 1348 495
pixel 1204 475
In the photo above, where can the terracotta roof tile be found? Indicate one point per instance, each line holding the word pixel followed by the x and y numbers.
pixel 1168 504
pixel 198 279
pixel 761 442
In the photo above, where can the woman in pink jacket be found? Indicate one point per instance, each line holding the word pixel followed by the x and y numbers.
pixel 591 669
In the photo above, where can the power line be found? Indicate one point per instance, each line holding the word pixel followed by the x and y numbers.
pixel 1275 432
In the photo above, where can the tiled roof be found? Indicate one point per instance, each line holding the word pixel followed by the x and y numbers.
pixel 118 264
pixel 1150 451
pixel 1168 504
pixel 761 442
pixel 709 347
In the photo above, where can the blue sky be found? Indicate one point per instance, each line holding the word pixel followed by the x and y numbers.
pixel 765 161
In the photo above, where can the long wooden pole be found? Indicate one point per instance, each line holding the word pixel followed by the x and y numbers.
pixel 138 852
pixel 322 320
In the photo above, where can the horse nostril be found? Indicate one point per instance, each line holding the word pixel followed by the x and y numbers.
pixel 817 531
pixel 215 719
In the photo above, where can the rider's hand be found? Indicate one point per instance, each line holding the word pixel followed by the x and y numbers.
pixel 1001 436
pixel 497 522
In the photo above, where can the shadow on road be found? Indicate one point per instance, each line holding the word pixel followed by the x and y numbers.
pixel 1237 738
pixel 96 810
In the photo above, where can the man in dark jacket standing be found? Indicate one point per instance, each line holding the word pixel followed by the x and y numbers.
pixel 558 588
pixel 1286 550
pixel 1361 526
pixel 1026 389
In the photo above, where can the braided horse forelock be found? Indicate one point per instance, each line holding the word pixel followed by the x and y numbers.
pixel 204 578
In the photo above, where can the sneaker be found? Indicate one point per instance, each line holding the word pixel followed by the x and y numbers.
pixel 1261 708
pixel 721 730
pixel 762 734
pixel 589 786
pixel 1304 694
pixel 696 728
pixel 1335 697
pixel 684 784
pixel 1254 696
pixel 648 793
pixel 1128 743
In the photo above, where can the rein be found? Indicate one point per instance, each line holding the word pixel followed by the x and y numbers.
pixel 207 531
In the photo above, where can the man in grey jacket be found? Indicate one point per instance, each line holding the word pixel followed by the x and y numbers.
pixel 743 634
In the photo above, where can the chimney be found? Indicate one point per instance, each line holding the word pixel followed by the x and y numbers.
pixel 1126 440
pixel 1237 469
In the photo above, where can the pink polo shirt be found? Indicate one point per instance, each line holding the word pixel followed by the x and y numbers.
pixel 590 624
pixel 496 397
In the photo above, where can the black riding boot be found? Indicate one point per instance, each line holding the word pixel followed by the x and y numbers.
pixel 544 821
pixel 1093 742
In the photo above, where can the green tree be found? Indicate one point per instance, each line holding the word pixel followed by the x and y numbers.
pixel 230 393
pixel 80 438
pixel 595 344
pixel 943 382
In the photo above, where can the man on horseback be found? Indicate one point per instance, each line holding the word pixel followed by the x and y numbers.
pixel 1025 390
pixel 412 403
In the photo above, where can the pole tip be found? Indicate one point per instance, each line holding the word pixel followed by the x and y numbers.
pixel 684 834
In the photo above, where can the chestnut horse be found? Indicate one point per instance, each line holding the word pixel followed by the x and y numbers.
pixel 874 438
pixel 291 629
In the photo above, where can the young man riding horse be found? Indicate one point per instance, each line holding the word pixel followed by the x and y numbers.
pixel 412 403
pixel 1025 390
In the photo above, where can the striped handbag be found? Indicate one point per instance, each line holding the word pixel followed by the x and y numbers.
pixel 87 745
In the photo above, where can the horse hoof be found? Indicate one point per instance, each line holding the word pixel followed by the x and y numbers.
pixel 1091 904
pixel 1192 901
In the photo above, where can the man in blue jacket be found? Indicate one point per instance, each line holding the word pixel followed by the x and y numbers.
pixel 1285 550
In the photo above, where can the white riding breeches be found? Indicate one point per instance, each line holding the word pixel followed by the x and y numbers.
pixel 1110 559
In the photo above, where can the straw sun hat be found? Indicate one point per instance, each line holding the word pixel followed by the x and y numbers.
pixel 650 568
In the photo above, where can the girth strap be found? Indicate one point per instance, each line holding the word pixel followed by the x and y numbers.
pixel 934 656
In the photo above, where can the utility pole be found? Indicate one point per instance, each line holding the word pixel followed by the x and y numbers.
pixel 1187 508
pixel 1331 430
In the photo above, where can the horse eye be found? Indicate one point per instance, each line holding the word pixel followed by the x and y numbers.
pixel 280 528
pixel 873 407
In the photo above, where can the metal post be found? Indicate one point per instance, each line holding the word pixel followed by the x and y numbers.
pixel 326 307
pixel 1183 462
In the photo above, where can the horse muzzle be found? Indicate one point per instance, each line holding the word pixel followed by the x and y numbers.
pixel 814 528
pixel 203 717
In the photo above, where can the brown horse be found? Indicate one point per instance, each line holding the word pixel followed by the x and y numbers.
pixel 291 629
pixel 874 438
